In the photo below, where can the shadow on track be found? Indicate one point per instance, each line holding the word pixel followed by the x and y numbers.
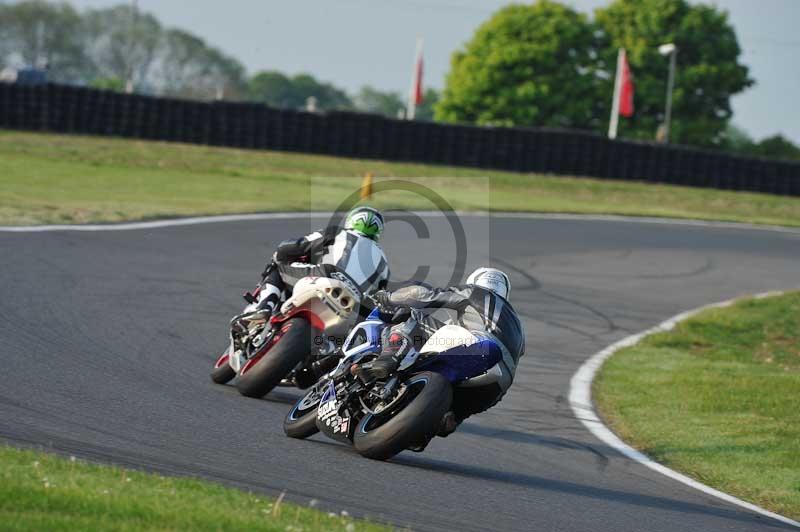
pixel 278 396
pixel 583 490
pixel 559 486
pixel 554 442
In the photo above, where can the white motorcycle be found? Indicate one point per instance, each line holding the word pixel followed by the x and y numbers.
pixel 294 346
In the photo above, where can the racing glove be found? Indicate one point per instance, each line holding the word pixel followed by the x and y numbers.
pixel 390 312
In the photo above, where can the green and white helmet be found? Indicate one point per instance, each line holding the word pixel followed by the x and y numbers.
pixel 365 221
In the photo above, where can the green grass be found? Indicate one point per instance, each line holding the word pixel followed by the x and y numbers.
pixel 718 398
pixel 47 178
pixel 44 492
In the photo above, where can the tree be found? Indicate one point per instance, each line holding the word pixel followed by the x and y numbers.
pixel 123 43
pixel 735 139
pixel 327 95
pixel 279 90
pixel 37 33
pixel 371 100
pixel 186 66
pixel 392 104
pixel 426 111
pixel 105 47
pixel 273 88
pixel 708 71
pixel 108 84
pixel 776 147
pixel 529 65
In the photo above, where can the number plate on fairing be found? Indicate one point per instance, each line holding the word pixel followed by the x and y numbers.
pixel 330 421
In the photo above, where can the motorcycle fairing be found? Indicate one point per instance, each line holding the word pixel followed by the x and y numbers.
pixel 464 361
pixel 332 419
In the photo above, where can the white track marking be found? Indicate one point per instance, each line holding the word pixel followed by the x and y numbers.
pixel 647 220
pixel 176 222
pixel 156 224
pixel 580 399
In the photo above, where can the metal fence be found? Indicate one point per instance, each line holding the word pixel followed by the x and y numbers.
pixel 67 109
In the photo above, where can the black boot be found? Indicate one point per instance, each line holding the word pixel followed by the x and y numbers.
pixel 396 348
pixel 378 369
pixel 449 424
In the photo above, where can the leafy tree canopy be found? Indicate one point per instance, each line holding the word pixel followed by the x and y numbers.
pixel 734 139
pixel 708 68
pixel 776 147
pixel 37 33
pixel 529 65
pixel 430 99
pixel 108 84
pixel 278 90
pixel 546 65
pixel 101 45
pixel 371 100
pixel 392 104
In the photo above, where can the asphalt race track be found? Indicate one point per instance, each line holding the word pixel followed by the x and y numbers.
pixel 107 339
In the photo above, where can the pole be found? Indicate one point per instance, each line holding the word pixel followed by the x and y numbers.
pixel 37 61
pixel 614 122
pixel 670 85
pixel 131 39
pixel 412 100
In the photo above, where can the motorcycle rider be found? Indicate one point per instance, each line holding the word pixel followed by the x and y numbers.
pixel 481 306
pixel 352 249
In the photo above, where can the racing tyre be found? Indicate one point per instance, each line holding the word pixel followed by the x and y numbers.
pixel 222 372
pixel 301 422
pixel 416 418
pixel 290 346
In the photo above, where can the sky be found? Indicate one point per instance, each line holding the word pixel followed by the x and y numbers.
pixel 352 43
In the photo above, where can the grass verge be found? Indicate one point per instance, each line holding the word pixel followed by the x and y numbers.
pixel 717 399
pixel 44 492
pixel 46 178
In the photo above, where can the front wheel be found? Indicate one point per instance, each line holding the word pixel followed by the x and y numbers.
pixel 301 422
pixel 223 372
pixel 290 346
pixel 427 398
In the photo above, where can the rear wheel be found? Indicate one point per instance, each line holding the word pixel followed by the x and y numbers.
pixel 301 422
pixel 414 418
pixel 223 372
pixel 290 346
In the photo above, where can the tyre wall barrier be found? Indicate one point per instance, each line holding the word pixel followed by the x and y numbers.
pixel 68 109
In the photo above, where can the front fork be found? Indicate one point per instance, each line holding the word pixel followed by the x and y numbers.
pixel 244 341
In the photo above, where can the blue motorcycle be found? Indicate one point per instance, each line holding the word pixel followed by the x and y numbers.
pixel 404 411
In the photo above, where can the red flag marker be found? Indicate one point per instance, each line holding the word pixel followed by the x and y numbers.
pixel 415 96
pixel 626 93
pixel 418 98
pixel 622 103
